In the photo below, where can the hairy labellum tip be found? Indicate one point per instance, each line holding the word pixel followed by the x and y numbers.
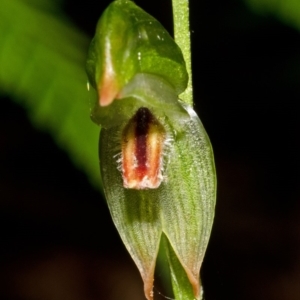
pixel 142 151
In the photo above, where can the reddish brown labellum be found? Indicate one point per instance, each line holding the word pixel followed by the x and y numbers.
pixel 142 151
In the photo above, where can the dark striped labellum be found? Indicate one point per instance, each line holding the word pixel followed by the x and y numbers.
pixel 142 151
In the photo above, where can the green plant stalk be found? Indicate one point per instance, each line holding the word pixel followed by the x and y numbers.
pixel 183 40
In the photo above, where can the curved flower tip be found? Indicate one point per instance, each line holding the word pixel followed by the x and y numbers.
pixel 195 282
pixel 148 280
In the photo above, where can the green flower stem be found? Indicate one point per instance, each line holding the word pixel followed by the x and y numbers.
pixel 41 69
pixel 183 40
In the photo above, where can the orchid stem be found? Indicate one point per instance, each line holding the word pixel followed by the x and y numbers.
pixel 183 39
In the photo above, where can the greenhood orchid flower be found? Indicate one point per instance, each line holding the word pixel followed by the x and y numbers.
pixel 156 160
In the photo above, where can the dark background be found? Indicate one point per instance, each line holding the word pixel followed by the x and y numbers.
pixel 57 239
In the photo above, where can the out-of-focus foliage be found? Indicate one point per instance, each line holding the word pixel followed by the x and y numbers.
pixel 286 10
pixel 42 59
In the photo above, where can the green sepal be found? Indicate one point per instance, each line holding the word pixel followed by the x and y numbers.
pixel 134 213
pixel 187 215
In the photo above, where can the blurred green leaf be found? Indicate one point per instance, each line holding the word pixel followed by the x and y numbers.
pixel 42 59
pixel 288 11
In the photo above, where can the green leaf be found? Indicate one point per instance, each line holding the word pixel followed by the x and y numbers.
pixel 42 68
pixel 288 11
